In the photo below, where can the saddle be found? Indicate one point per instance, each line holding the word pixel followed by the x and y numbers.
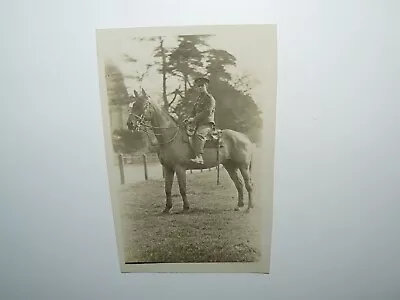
pixel 213 138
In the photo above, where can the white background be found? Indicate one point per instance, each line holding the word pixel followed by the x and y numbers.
pixel 336 206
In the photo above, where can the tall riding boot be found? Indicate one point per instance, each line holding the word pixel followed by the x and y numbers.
pixel 198 146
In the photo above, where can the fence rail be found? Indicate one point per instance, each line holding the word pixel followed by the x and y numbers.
pixel 137 158
pixel 144 160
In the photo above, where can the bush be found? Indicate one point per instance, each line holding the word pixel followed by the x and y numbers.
pixel 126 141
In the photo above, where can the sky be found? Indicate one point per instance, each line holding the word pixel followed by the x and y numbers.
pixel 253 55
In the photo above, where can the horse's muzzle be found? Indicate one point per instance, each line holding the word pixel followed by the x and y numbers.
pixel 130 125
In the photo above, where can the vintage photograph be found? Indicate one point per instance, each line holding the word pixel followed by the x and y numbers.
pixel 189 130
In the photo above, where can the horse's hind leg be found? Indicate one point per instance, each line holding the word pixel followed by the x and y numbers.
pixel 245 170
pixel 169 179
pixel 233 172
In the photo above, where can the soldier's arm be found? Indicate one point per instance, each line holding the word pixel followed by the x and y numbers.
pixel 210 105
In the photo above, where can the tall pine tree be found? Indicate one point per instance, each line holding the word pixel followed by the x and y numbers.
pixel 187 60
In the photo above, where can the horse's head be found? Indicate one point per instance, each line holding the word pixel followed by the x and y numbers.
pixel 140 111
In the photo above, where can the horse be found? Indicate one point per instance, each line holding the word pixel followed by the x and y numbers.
pixel 234 150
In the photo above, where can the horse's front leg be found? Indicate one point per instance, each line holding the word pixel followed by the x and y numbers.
pixel 169 179
pixel 181 174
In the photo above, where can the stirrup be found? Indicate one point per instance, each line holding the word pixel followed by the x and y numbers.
pixel 197 160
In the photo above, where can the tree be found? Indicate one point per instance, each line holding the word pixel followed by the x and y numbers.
pixel 187 60
pixel 235 108
pixel 161 52
pixel 117 93
pixel 218 60
pixel 244 83
pixel 193 57
pixel 126 141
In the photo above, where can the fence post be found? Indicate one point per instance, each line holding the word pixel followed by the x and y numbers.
pixel 218 163
pixel 121 168
pixel 145 166
pixel 163 172
pixel 191 171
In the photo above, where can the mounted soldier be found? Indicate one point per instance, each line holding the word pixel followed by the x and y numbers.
pixel 202 118
pixel 175 151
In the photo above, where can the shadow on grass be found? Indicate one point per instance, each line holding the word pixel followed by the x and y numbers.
pixel 197 211
pixel 211 231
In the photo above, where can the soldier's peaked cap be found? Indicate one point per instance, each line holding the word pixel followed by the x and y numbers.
pixel 201 81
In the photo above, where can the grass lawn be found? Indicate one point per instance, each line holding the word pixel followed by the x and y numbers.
pixel 210 232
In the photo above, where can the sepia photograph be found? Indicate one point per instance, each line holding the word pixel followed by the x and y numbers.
pixel 189 129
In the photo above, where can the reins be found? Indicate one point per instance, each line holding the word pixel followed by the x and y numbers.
pixel 141 123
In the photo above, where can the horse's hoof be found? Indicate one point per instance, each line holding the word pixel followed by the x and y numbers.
pixel 249 208
pixel 185 209
pixel 165 211
pixel 237 208
pixel 240 204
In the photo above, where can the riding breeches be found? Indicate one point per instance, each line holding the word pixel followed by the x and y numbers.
pixel 199 139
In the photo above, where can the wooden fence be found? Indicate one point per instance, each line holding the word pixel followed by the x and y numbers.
pixel 144 159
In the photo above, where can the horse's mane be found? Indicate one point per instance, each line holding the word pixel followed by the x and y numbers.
pixel 174 119
pixel 164 112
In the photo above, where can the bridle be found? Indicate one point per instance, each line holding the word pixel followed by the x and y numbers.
pixel 140 119
pixel 141 125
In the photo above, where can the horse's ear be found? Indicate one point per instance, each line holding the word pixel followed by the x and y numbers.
pixel 136 93
pixel 144 92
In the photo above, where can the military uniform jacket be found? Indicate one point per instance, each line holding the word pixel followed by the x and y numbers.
pixel 204 109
